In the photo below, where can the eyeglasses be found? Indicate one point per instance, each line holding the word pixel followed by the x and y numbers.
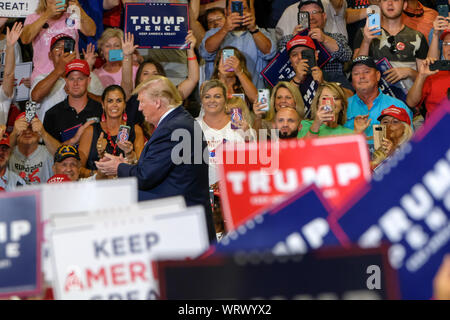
pixel 444 44
pixel 393 45
pixel 312 12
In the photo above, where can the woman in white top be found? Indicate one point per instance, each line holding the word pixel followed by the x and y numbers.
pixel 216 123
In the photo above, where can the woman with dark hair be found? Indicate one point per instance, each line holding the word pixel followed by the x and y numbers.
pixel 109 135
pixel 234 74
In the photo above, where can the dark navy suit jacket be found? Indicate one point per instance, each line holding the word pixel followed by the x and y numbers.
pixel 159 177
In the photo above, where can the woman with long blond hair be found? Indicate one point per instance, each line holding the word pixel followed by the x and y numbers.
pixel 284 95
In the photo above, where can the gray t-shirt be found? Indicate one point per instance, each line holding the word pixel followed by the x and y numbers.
pixel 35 169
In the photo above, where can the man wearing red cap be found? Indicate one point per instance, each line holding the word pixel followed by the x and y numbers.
pixel 29 159
pixel 48 89
pixel 8 179
pixel 67 120
pixel 431 87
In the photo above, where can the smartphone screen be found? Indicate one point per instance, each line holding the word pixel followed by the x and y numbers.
pixel 236 117
pixel 124 133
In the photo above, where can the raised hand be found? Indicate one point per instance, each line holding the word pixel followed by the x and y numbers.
pixel 89 55
pixel 191 39
pixel 128 46
pixel 126 146
pixel 361 123
pixel 55 9
pixel 394 75
pixel 13 35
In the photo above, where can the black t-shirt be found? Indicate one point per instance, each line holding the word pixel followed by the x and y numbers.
pixel 62 121
pixel 406 46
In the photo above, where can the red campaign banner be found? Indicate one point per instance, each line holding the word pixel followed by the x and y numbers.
pixel 254 176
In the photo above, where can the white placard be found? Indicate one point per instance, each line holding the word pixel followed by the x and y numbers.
pixel 17 8
pixel 21 72
pixel 111 259
pixel 159 206
pixel 77 198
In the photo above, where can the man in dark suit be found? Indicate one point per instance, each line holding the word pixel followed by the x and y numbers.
pixel 167 168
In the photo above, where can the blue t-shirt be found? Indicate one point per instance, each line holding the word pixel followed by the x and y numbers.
pixel 357 107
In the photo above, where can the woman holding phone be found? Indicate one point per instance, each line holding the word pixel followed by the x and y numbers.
pixel 117 50
pixel 284 94
pixel 49 20
pixel 328 112
pixel 111 135
pixel 230 67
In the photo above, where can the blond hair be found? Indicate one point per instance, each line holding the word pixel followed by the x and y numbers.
pixel 42 6
pixel 108 34
pixel 209 84
pixel 299 104
pixel 339 92
pixel 161 87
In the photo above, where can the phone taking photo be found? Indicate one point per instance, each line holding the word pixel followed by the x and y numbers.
pixel 236 117
pixel 443 10
pixel 263 98
pixel 379 132
pixel 69 45
pixel 115 55
pixel 374 20
pixel 303 19
pixel 237 6
pixel 309 55
pixel 227 53
pixel 124 134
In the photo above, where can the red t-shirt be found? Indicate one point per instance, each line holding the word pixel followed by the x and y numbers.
pixel 435 90
pixel 111 18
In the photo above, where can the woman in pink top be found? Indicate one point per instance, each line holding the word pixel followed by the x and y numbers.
pixel 50 20
pixel 111 72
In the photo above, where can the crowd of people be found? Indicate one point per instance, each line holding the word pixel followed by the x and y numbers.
pixel 93 116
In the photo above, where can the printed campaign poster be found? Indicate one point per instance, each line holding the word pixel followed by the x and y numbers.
pixel 326 274
pixel 21 72
pixel 20 244
pixel 111 258
pixel 264 174
pixel 158 25
pixel 17 8
pixel 397 90
pixel 406 205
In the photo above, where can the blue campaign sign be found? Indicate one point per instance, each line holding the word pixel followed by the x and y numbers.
pixel 20 240
pixel 397 90
pixel 294 227
pixel 158 25
pixel 408 205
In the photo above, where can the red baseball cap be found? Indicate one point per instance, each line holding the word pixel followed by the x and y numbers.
pixel 61 36
pixel 300 41
pixel 446 32
pixel 396 112
pixel 5 141
pixel 78 65
pixel 58 178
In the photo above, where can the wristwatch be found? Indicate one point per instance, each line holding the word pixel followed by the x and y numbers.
pixel 253 32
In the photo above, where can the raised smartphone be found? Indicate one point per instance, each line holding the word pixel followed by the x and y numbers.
pixel 374 20
pixel 303 19
pixel 379 132
pixel 115 55
pixel 263 98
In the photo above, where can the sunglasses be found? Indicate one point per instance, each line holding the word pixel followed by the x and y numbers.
pixel 393 45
